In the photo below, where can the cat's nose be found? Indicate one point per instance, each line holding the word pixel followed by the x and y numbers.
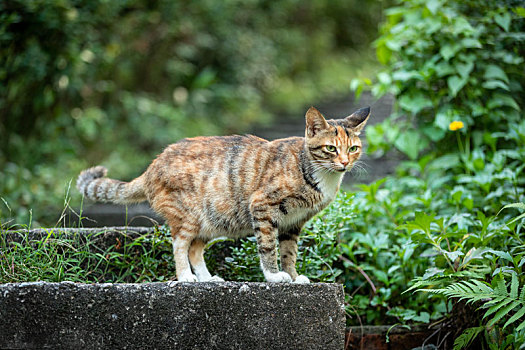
pixel 345 162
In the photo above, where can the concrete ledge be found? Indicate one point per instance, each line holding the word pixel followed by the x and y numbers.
pixel 103 236
pixel 226 315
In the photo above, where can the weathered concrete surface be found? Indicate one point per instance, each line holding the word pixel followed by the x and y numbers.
pixel 103 236
pixel 106 214
pixel 184 316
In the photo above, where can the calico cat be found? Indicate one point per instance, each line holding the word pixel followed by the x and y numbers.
pixel 234 186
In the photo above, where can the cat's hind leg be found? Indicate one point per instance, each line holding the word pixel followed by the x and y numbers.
pixel 196 255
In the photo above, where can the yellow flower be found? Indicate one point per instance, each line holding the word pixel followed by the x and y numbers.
pixel 456 125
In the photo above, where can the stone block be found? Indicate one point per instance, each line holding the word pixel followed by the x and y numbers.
pixel 229 315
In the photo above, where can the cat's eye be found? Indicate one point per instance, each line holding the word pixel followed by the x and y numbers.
pixel 353 149
pixel 330 148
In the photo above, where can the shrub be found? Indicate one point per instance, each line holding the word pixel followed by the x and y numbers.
pixel 455 69
pixel 449 61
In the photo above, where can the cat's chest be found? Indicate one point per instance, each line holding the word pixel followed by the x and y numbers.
pixel 328 184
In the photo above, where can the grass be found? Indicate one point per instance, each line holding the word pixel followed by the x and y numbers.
pixel 134 256
pixel 85 256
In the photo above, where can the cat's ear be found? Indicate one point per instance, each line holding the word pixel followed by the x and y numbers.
pixel 315 122
pixel 357 120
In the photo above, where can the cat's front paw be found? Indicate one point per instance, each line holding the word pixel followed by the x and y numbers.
pixel 213 279
pixel 277 277
pixel 302 279
pixel 188 277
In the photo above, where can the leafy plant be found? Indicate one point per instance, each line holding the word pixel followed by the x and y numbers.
pixel 453 67
pixel 448 61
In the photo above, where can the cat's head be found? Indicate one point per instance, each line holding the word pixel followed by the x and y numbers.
pixel 334 144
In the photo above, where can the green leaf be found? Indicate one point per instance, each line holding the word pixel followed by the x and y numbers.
pixel 494 84
pixel 432 271
pixel 471 43
pixel 503 312
pixel 383 53
pixel 455 84
pixel 449 50
pixel 414 102
pixel 206 77
pixel 495 72
pixel 521 326
pixel 515 317
pixel 503 255
pixel 453 255
pixel 381 276
pixel 404 75
pixel 433 5
pixel 423 317
pixel 357 86
pixel 514 286
pixel 503 20
pixel 466 337
pixel 500 100
pixel 444 69
pixel 464 69
pixel 475 253
pixel 409 143
pixel 513 205
pixel 423 221
pixel 520 11
pixel 516 219
pixel 384 78
pixel 496 304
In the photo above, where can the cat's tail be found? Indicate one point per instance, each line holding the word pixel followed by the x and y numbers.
pixel 93 184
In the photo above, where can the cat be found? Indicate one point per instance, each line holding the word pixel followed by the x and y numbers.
pixel 234 186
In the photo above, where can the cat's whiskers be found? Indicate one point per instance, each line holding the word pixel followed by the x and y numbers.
pixel 359 169
pixel 324 164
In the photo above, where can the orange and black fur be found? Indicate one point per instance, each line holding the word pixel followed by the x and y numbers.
pixel 235 186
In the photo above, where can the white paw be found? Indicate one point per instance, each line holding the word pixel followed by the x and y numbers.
pixel 277 277
pixel 213 279
pixel 188 277
pixel 301 279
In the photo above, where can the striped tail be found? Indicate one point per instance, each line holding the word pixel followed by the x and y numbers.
pixel 93 184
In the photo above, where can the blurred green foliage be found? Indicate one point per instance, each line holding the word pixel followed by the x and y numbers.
pixel 456 70
pixel 113 82
pixel 448 61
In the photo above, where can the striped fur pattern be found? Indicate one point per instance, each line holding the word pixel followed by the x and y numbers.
pixel 237 186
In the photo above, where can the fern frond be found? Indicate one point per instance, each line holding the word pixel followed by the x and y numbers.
pixel 503 312
pixel 499 301
pixel 501 287
pixel 496 304
pixel 521 326
pixel 473 291
pixel 466 337
pixel 516 317
pixel 514 285
pixel 421 283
